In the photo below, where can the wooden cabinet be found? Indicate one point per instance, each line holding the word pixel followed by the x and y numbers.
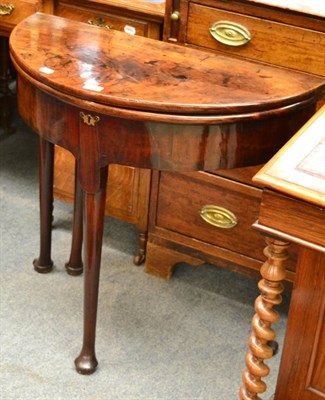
pixel 291 37
pixel 266 36
pixel 128 188
pixel 116 15
pixel 12 12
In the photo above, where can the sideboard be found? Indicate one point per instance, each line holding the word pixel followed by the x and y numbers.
pixel 195 228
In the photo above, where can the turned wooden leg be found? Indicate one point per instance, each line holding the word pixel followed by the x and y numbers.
pixel 139 258
pixel 142 214
pixel 94 208
pixel 43 263
pixel 74 265
pixel 273 272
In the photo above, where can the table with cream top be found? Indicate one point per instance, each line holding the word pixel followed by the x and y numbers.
pixel 293 210
pixel 108 97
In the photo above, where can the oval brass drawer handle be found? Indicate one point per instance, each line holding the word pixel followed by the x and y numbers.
pixel 6 9
pixel 218 216
pixel 230 33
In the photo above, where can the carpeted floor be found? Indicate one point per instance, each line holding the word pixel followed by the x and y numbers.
pixel 185 339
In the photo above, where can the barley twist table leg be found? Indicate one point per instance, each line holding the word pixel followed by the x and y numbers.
pixel 273 272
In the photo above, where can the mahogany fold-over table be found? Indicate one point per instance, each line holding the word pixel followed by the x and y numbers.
pixel 109 97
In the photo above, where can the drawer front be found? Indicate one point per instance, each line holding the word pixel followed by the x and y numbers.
pixel 106 20
pixel 14 11
pixel 193 194
pixel 272 42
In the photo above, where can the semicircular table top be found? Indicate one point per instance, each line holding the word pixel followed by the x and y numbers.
pixel 134 73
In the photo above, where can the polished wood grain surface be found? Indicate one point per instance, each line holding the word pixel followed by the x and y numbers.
pixel 108 97
pixel 150 76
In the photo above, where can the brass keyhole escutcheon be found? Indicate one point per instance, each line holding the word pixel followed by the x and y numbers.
pixel 89 119
pixel 100 22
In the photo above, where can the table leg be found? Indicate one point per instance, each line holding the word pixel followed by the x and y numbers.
pixel 273 272
pixel 94 209
pixel 43 263
pixel 74 265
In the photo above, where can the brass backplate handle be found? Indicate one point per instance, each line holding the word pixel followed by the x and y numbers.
pixel 230 33
pixel 6 9
pixel 218 216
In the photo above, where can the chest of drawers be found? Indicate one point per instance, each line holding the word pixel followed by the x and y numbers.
pixel 252 30
pixel 140 18
pixel 11 13
pixel 289 36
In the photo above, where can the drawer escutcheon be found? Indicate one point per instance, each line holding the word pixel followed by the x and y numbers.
pixel 89 119
pixel 218 216
pixel 6 9
pixel 99 22
pixel 230 33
